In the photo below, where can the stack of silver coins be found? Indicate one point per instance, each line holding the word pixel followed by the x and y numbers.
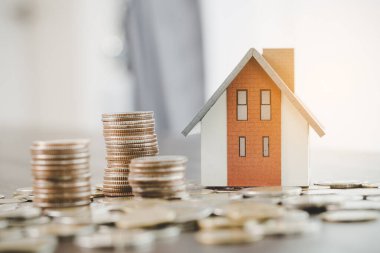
pixel 127 136
pixel 158 177
pixel 61 173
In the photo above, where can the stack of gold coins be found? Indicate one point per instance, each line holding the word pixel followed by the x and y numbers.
pixel 61 173
pixel 127 136
pixel 158 177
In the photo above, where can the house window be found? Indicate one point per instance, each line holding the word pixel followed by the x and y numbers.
pixel 265 146
pixel 265 111
pixel 242 105
pixel 242 145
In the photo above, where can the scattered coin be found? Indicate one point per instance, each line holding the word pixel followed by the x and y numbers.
pixel 144 218
pixel 350 216
pixel 340 184
pixel 357 205
pixel 118 239
pixel 242 211
pixel 40 244
pixel 226 236
pixel 12 201
pixel 218 223
pixel 271 191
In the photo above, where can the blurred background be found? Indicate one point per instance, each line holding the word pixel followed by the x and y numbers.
pixel 65 62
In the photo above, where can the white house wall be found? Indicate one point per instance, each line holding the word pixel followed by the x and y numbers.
pixel 295 146
pixel 214 144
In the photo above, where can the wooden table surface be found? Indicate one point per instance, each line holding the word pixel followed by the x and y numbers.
pixel 15 173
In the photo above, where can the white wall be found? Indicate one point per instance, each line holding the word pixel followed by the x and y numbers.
pixel 294 146
pixel 214 144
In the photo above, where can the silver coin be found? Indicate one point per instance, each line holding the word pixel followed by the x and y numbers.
pixel 12 201
pixel 25 190
pixel 21 213
pixel 2 196
pixel 350 216
pixel 271 191
pixel 226 236
pixel 116 239
pixel 340 184
pixel 40 244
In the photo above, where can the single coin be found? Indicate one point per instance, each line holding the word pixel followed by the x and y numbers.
pixel 212 223
pixel 62 204
pixel 314 203
pixel 116 170
pixel 61 162
pixel 126 146
pixel 144 218
pixel 129 131
pixel 2 196
pixel 56 185
pixel 64 230
pixel 60 157
pixel 24 190
pixel 60 151
pixel 116 239
pixel 33 244
pixel 128 126
pixel 340 184
pixel 271 191
pixel 371 185
pixel 61 167
pixel 118 194
pixel 160 160
pixel 147 178
pixel 350 216
pixel 127 118
pixel 130 122
pixel 242 211
pixel 126 114
pixel 21 213
pixel 357 205
pixel 131 151
pixel 63 195
pixel 114 141
pixel 59 190
pixel 12 201
pixel 226 236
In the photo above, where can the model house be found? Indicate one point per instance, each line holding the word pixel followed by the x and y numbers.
pixel 254 129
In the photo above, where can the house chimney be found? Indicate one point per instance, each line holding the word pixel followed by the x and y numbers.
pixel 282 61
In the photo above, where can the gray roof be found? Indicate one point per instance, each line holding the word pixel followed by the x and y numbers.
pixel 253 53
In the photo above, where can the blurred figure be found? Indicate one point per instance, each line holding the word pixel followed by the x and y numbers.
pixel 164 44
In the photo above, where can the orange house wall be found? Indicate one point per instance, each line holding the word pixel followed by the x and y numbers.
pixel 254 169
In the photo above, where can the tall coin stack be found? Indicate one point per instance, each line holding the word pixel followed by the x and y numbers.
pixel 61 173
pixel 158 177
pixel 127 136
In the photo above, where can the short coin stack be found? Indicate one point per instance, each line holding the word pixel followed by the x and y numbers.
pixel 61 173
pixel 127 136
pixel 158 177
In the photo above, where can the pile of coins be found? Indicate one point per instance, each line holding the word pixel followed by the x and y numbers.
pixel 127 136
pixel 158 177
pixel 61 173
